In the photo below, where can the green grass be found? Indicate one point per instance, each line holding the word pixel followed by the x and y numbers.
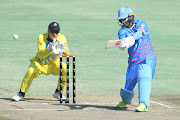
pixel 87 25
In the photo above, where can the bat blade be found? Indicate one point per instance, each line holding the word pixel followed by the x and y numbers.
pixel 113 43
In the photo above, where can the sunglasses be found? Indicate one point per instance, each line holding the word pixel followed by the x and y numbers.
pixel 54 31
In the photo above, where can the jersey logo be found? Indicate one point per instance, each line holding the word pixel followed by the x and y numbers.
pixel 130 34
pixel 142 25
pixel 47 43
pixel 118 44
pixel 55 24
pixel 47 59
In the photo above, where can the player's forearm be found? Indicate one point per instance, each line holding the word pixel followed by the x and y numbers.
pixel 137 35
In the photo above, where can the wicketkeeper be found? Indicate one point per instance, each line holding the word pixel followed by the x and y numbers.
pixel 46 61
pixel 142 59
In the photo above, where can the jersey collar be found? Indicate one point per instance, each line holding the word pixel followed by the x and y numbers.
pixel 135 21
pixel 49 39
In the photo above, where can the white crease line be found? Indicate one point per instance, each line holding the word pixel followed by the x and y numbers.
pixel 80 104
pixel 98 103
pixel 33 109
pixel 163 104
pixel 89 104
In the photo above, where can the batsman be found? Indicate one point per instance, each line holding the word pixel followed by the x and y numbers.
pixel 134 36
pixel 46 61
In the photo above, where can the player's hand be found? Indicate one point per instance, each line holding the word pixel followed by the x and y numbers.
pixel 60 46
pixel 131 40
pixel 127 43
pixel 51 47
pixel 124 44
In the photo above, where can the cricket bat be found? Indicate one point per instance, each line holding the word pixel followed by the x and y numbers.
pixel 113 43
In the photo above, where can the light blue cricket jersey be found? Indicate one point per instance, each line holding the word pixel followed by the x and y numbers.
pixel 142 49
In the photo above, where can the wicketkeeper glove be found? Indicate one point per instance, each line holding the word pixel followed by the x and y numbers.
pixel 58 49
pixel 51 46
pixel 60 46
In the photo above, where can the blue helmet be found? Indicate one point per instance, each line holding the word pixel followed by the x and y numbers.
pixel 124 13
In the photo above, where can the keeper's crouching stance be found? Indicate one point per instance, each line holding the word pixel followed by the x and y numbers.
pixel 142 60
pixel 50 46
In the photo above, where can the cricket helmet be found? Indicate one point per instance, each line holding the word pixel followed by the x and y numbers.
pixel 54 26
pixel 124 12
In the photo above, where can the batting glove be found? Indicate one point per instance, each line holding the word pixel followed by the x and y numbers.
pixel 127 43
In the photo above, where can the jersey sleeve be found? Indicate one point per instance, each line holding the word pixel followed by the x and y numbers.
pixel 42 49
pixel 142 26
pixel 122 34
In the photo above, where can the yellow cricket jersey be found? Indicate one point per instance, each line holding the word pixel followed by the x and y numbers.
pixel 43 56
